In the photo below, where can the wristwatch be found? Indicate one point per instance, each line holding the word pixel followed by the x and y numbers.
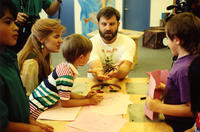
pixel 60 1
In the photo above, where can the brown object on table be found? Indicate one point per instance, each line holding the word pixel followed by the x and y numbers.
pixel 153 37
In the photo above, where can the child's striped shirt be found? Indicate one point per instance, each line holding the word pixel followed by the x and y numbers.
pixel 57 86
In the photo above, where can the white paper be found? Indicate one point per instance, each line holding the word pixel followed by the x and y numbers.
pixel 60 113
pixel 112 104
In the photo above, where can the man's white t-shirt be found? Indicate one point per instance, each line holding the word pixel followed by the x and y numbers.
pixel 123 48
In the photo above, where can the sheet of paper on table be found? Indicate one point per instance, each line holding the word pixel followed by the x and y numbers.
pixel 80 88
pixel 112 104
pixel 60 113
pixel 93 122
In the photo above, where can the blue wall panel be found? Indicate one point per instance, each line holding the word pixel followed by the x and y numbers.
pixel 67 16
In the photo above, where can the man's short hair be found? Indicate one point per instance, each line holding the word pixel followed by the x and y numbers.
pixel 108 12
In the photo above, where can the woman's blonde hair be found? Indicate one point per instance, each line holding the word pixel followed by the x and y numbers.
pixel 40 30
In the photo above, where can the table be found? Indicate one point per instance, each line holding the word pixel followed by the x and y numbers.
pixel 135 35
pixel 136 88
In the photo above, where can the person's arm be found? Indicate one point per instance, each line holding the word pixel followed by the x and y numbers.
pixel 29 75
pixel 122 70
pixel 67 98
pixel 182 110
pixel 22 127
pixel 96 99
pixel 53 8
pixel 77 96
pixel 191 129
pixel 96 69
pixel 45 127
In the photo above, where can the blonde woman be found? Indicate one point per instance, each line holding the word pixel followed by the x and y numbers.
pixel 34 58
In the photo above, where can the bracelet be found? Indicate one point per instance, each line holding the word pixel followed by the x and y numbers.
pixel 60 1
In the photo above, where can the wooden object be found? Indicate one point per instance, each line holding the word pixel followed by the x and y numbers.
pixel 153 38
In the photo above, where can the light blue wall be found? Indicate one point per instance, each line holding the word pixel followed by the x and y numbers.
pixel 67 16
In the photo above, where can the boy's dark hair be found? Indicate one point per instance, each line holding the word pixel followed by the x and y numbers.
pixel 108 12
pixel 185 26
pixel 75 45
pixel 7 5
pixel 194 73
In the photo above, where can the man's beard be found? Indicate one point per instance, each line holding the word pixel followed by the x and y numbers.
pixel 108 37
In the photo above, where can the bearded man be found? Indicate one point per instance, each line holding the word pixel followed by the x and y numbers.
pixel 112 54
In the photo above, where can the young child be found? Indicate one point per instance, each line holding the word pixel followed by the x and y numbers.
pixel 194 72
pixel 182 31
pixel 58 86
pixel 14 105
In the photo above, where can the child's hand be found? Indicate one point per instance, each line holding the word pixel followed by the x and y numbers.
pixel 34 128
pixel 96 99
pixel 153 104
pixel 45 127
pixel 162 86
pixel 91 93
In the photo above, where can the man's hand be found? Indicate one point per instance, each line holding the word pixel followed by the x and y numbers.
pixel 113 73
pixel 99 74
pixel 21 18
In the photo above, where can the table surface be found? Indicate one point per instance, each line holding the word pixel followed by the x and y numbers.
pixel 138 122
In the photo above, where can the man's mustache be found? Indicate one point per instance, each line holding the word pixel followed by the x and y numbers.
pixel 108 31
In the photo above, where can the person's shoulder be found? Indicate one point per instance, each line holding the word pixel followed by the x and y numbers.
pixel 62 65
pixel 64 69
pixel 30 62
pixel 124 36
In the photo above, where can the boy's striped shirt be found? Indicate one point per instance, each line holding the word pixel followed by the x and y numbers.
pixel 57 86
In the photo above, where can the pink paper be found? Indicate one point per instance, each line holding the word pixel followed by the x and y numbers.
pixel 163 76
pixel 152 86
pixel 156 77
pixel 94 122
